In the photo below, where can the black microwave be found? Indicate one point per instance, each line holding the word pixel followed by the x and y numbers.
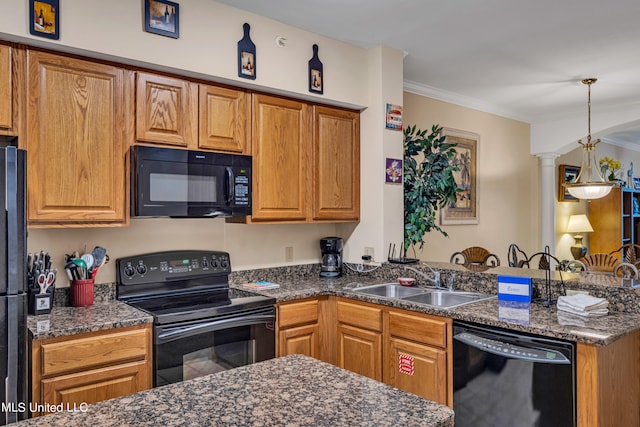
pixel 189 184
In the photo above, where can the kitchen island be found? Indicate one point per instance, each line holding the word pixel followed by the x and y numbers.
pixel 294 390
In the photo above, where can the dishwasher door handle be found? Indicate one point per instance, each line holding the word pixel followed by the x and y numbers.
pixel 512 351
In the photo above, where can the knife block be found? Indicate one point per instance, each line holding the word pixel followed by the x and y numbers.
pixel 40 303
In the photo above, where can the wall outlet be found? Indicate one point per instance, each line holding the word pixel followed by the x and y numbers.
pixel 368 250
pixel 288 253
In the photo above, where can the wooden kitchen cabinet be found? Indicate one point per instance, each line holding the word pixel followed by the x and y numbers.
pixel 91 367
pixel 6 89
pixel 225 119
pixel 166 110
pixel 418 355
pixel 78 127
pixel 359 338
pixel 280 158
pixel 298 330
pixel 335 164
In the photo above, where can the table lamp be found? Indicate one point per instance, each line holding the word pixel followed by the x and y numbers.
pixel 578 224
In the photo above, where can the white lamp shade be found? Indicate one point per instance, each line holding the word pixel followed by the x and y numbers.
pixel 579 224
pixel 590 192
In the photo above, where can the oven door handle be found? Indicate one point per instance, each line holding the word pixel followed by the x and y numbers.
pixel 175 333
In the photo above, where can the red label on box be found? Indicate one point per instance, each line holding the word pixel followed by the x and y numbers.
pixel 406 364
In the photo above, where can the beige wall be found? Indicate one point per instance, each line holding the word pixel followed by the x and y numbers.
pixel 207 48
pixel 508 180
pixel 564 240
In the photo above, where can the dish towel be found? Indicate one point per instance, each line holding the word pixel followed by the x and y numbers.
pixel 583 305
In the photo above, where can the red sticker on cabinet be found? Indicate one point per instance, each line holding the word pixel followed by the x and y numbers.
pixel 406 364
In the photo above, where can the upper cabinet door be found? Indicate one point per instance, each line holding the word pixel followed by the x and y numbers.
pixel 79 122
pixel 166 110
pixel 224 119
pixel 336 164
pixel 280 147
pixel 6 99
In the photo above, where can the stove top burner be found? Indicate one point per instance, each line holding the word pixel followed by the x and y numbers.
pixel 181 303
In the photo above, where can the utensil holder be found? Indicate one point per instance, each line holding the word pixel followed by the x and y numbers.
pixel 81 294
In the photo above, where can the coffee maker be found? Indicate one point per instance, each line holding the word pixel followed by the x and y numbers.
pixel 331 248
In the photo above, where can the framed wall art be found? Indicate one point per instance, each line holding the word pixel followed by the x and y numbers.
pixel 162 17
pixel 465 208
pixel 393 171
pixel 246 55
pixel 393 117
pixel 315 73
pixel 566 173
pixel 44 18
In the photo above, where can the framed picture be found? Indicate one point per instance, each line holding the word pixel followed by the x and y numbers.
pixel 465 209
pixel 636 183
pixel 567 174
pixel 316 84
pixel 393 171
pixel 393 117
pixel 162 17
pixel 44 18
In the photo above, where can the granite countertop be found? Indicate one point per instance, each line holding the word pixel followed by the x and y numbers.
pixel 294 390
pixel 539 320
pixel 100 316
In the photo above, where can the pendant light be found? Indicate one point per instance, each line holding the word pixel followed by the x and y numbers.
pixel 588 185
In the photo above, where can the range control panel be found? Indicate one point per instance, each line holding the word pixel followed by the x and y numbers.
pixel 171 265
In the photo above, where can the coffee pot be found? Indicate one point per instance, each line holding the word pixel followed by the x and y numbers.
pixel 331 248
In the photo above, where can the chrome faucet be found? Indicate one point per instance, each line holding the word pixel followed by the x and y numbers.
pixel 436 275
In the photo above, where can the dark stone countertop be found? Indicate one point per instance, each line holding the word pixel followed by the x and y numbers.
pixel 100 316
pixel 539 320
pixel 288 391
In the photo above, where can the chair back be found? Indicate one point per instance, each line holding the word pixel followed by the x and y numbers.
pixel 629 253
pixel 475 255
pixel 600 262
pixel 517 257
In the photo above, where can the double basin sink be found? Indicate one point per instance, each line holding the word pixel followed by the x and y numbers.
pixel 440 298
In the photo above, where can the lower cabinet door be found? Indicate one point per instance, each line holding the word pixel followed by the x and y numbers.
pixel 94 386
pixel 360 351
pixel 300 340
pixel 418 369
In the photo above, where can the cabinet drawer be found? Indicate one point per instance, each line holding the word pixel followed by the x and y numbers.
pixel 419 328
pixel 84 353
pixel 298 313
pixel 360 315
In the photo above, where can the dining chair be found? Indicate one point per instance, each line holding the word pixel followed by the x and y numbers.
pixel 604 263
pixel 629 253
pixel 475 255
pixel 516 257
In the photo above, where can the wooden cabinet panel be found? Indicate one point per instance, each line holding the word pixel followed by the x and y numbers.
pixel 81 354
pixel 360 351
pixel 336 164
pixel 78 126
pixel 91 367
pixel 421 328
pixel 298 313
pixel 166 110
pixel 359 314
pixel 418 369
pixel 280 149
pixel 614 221
pixel 6 100
pixel 96 385
pixel 224 119
pixel 300 340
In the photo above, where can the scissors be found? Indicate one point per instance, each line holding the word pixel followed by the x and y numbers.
pixel 45 280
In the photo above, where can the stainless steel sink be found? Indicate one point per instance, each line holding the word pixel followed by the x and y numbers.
pixel 428 296
pixel 390 290
pixel 446 299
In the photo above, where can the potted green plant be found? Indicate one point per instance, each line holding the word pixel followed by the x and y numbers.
pixel 428 181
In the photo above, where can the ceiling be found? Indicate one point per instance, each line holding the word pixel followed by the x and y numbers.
pixel 521 59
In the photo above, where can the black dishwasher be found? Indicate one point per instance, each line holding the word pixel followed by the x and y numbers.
pixel 507 379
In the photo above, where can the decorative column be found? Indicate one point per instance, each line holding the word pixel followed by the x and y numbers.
pixel 548 200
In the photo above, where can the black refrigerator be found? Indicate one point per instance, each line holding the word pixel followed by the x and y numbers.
pixel 13 283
